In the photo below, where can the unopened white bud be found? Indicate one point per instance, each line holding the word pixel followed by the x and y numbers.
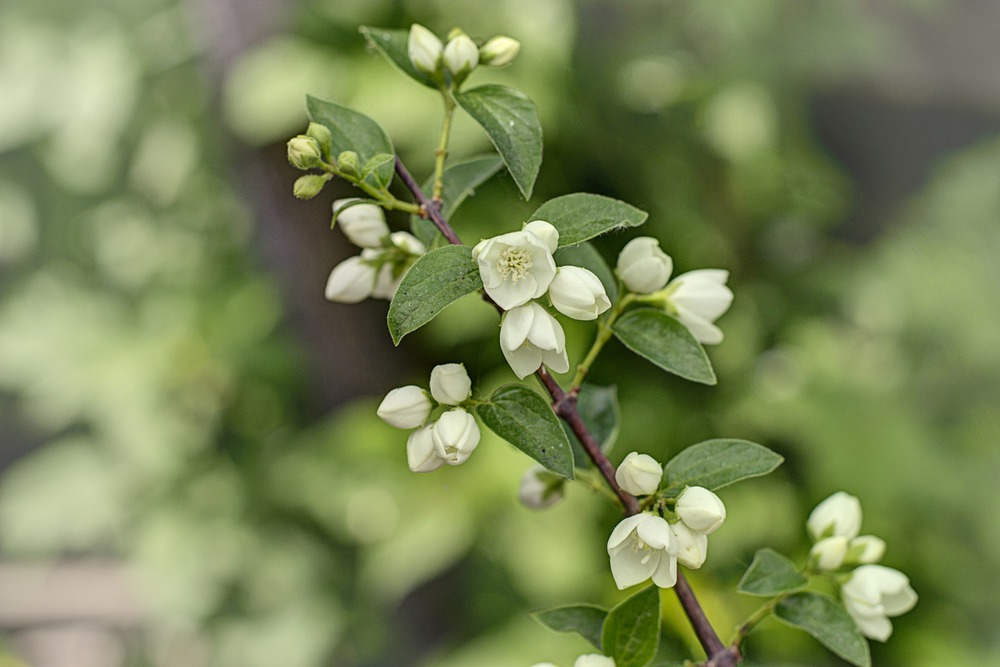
pixel 639 474
pixel 405 407
pixel 408 242
pixel 828 553
pixel 461 55
pixel 456 435
pixel 424 49
pixel 865 550
pixel 363 224
pixel 643 267
pixel 692 547
pixel 701 510
pixel 576 292
pixel 499 51
pixel 450 384
pixel 350 281
pixel 421 454
pixel 839 515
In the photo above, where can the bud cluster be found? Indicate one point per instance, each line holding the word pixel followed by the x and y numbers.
pixel 451 62
pixel 452 437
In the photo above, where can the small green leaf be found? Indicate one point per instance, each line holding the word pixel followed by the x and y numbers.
pixel 376 163
pixel 585 619
pixel 586 255
pixel 598 407
pixel 631 631
pixel 582 216
pixel 524 419
pixel 714 464
pixel 433 282
pixel 460 181
pixel 659 338
pixel 826 620
pixel 392 44
pixel 511 121
pixel 771 574
pixel 352 131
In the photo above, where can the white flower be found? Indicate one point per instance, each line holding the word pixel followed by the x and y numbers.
pixel 540 488
pixel 698 298
pixel 461 55
pixel 639 474
pixel 450 384
pixel 546 231
pixel 405 407
pixel 700 509
pixel 362 224
pixel 692 547
pixel 424 49
pixel 455 435
pixel 865 549
pixel 594 660
pixel 643 267
pixel 578 293
pixel 386 280
pixel 408 243
pixel 515 267
pixel 421 454
pixel 839 515
pixel 530 337
pixel 873 594
pixel 499 51
pixel 828 553
pixel 643 546
pixel 350 281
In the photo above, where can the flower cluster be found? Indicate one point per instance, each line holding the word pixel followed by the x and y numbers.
pixel 452 437
pixel 385 256
pixel 460 55
pixel 648 546
pixel 871 593
pixel 588 660
pixel 517 268
pixel 696 298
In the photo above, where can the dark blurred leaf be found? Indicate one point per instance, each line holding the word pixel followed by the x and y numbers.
pixel 654 335
pixel 352 131
pixel 631 631
pixel 714 464
pixel 433 282
pixel 771 574
pixel 585 619
pixel 582 216
pixel 826 620
pixel 598 407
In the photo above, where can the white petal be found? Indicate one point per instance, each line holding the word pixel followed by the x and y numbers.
pixel 624 529
pixel 628 568
pixel 665 575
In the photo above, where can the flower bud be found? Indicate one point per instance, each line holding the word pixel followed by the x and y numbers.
pixel 310 185
pixel 700 509
pixel 697 298
pixel 873 594
pixel 839 515
pixel 387 280
pixel 578 293
pixel 408 242
pixel 304 152
pixel 461 56
pixel 643 267
pixel 639 474
pixel 546 231
pixel 450 384
pixel 421 454
pixel 321 133
pixel 350 281
pixel 499 51
pixel 456 435
pixel 594 660
pixel 540 489
pixel 828 553
pixel 865 550
pixel 692 547
pixel 349 164
pixel 363 224
pixel 405 407
pixel 424 49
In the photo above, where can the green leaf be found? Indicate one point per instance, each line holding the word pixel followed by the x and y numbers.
pixel 392 44
pixel 657 337
pixel 714 464
pixel 826 620
pixel 433 282
pixel 631 631
pixel 582 216
pixel 524 419
pixel 598 407
pixel 460 181
pixel 585 619
pixel 376 165
pixel 353 131
pixel 771 574
pixel 511 121
pixel 586 255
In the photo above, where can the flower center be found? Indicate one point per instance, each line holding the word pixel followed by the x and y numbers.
pixel 513 264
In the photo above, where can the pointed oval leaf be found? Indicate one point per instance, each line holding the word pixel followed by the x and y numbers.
pixel 586 255
pixel 582 216
pixel 434 281
pixel 524 419
pixel 511 121
pixel 631 631
pixel 659 338
pixel 392 44
pixel 771 574
pixel 460 182
pixel 585 619
pixel 828 622
pixel 353 131
pixel 598 408
pixel 714 464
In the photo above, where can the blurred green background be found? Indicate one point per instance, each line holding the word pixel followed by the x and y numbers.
pixel 192 472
